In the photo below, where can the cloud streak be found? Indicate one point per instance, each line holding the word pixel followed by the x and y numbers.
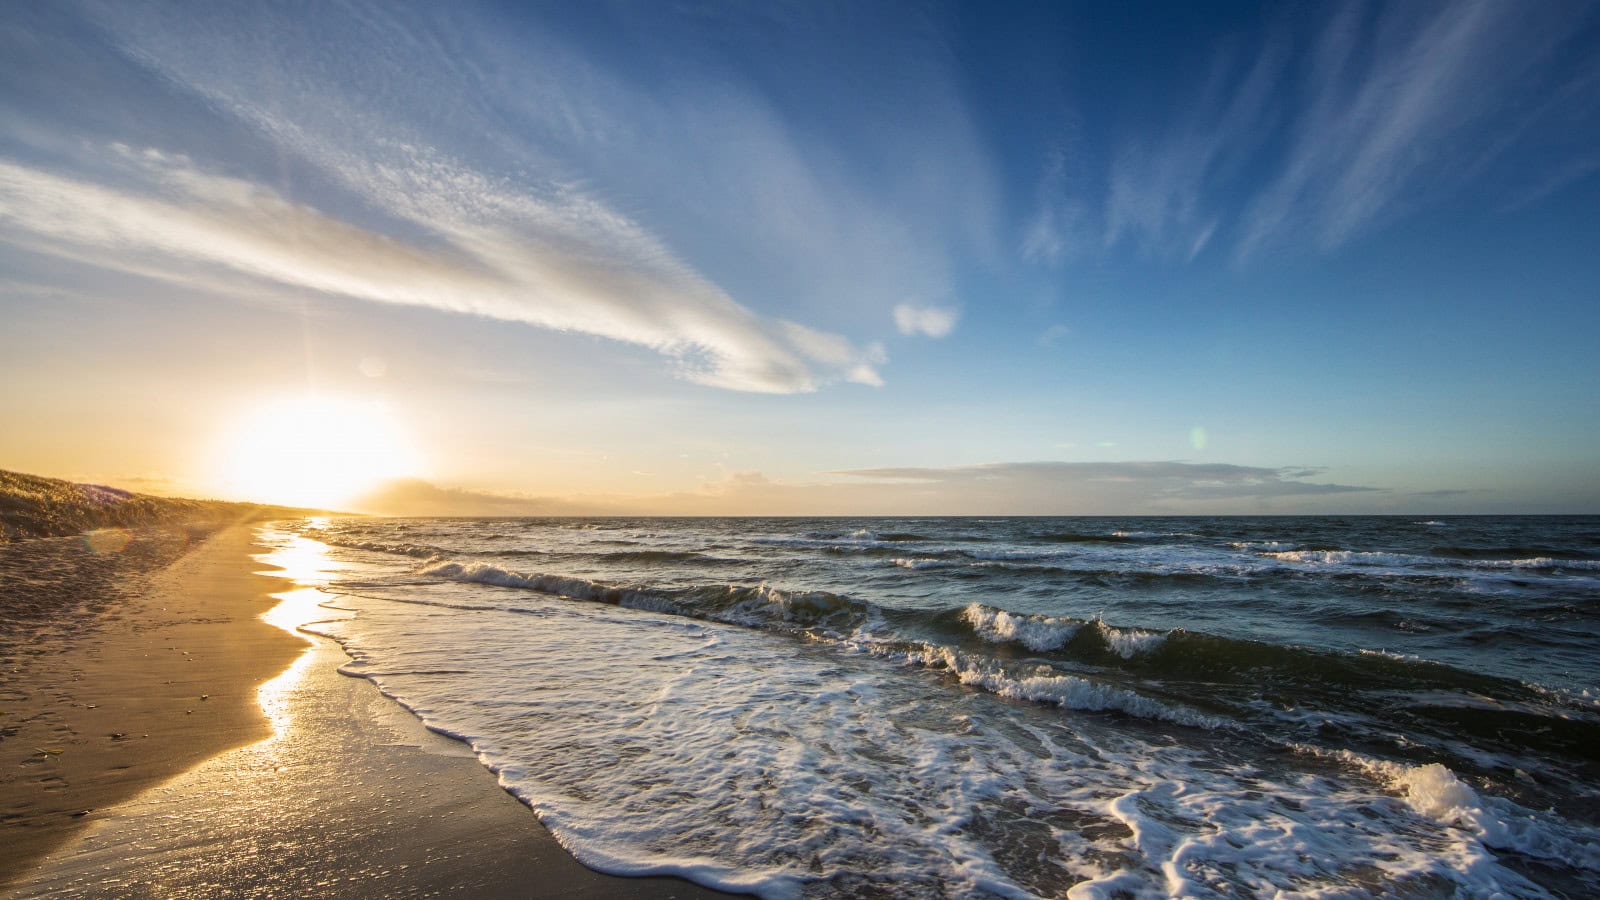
pixel 1388 99
pixel 563 261
pixel 1037 488
pixel 1156 480
pixel 1321 134
pixel 507 166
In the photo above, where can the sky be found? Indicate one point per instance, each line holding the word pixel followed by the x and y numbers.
pixel 808 258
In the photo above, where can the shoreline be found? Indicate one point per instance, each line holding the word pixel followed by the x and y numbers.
pixel 329 788
pixel 153 671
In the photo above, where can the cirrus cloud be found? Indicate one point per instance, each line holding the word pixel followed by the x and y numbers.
pixel 562 261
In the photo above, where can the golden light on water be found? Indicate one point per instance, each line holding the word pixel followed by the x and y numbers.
pixel 304 562
pixel 314 451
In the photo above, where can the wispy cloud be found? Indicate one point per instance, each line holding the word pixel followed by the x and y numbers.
pixel 562 261
pixel 493 167
pixel 1390 99
pixel 930 321
pixel 1154 480
pixel 1038 488
pixel 1317 134
pixel 1041 488
pixel 1062 224
pixel 1159 191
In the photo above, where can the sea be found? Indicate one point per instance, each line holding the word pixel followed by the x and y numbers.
pixel 1008 707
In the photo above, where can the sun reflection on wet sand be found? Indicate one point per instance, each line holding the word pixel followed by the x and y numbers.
pixel 300 559
pixel 305 562
pixel 276 813
pixel 350 796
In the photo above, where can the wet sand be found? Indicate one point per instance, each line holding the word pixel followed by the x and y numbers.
pixel 334 791
pixel 129 661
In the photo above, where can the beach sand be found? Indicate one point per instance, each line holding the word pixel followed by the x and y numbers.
pixel 112 651
pixel 319 786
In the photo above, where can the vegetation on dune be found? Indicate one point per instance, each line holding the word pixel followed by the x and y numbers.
pixel 32 506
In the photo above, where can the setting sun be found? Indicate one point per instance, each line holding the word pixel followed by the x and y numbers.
pixel 314 451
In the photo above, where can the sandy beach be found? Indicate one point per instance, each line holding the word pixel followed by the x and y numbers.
pixel 143 756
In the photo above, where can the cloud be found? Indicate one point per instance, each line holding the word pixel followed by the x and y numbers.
pixel 1061 226
pixel 561 261
pixel 1041 488
pixel 833 351
pixel 932 321
pixel 1388 100
pixel 492 164
pixel 1321 131
pixel 416 497
pixel 1129 485
pixel 1160 190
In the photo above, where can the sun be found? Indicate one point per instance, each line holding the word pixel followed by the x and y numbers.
pixel 314 451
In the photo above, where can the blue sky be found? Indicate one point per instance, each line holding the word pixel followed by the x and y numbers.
pixel 707 257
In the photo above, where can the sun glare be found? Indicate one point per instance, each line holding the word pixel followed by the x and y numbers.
pixel 315 451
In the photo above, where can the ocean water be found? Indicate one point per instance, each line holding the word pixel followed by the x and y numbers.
pixel 1013 707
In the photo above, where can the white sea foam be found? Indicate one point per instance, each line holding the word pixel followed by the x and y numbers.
pixel 1406 560
pixel 1346 558
pixel 1128 643
pixel 1261 545
pixel 906 562
pixel 417 551
pixel 1436 793
pixel 1041 684
pixel 1017 554
pixel 1039 633
pixel 1390 654
pixel 1537 562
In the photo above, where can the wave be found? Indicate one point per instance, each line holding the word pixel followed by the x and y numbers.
pixel 658 556
pixel 1214 663
pixel 1078 537
pixel 427 551
pixel 1041 684
pixel 1345 557
pixel 1177 675
pixel 1407 560
pixel 900 537
pixel 860 625
pixel 907 562
pixel 1046 633
pixel 1436 793
pixel 1530 551
pixel 759 605
pixel 1034 632
pixel 418 551
pixel 1541 562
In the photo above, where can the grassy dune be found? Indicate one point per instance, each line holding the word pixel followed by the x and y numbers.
pixel 31 506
